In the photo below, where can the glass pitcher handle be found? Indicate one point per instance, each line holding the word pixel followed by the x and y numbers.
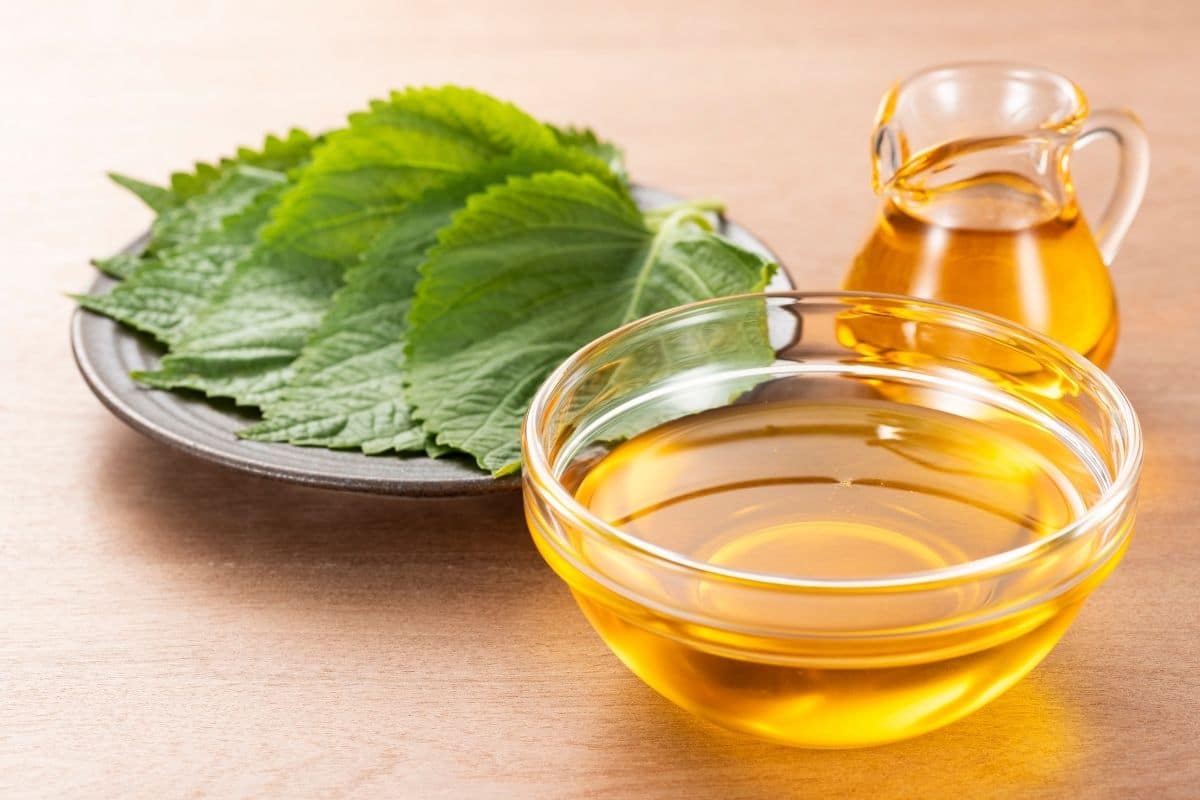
pixel 1134 170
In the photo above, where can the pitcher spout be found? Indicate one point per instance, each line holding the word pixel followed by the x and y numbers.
pixel 975 130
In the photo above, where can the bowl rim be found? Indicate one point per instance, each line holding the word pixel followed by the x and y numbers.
pixel 540 478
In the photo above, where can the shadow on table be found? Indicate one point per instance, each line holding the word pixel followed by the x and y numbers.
pixel 1025 743
pixel 174 510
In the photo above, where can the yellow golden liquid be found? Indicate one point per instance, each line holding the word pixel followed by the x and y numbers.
pixel 861 488
pixel 996 244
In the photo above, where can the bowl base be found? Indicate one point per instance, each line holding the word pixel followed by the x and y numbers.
pixel 821 707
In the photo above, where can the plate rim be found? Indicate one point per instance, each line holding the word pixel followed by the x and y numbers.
pixel 86 356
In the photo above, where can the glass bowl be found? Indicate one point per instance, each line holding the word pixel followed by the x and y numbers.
pixel 836 632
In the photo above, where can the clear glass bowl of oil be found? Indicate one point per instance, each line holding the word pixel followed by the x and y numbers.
pixel 830 520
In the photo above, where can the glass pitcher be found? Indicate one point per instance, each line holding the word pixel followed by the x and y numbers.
pixel 972 164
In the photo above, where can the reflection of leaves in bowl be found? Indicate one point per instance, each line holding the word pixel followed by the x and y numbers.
pixel 659 375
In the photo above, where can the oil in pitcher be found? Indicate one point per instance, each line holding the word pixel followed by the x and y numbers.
pixel 978 207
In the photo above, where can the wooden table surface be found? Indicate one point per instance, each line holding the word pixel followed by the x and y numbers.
pixel 172 628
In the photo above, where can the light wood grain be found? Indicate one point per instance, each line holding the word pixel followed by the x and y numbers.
pixel 174 629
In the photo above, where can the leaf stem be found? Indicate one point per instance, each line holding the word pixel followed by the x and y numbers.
pixel 697 210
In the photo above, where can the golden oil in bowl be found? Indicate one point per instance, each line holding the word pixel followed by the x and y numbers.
pixel 861 489
pixel 833 549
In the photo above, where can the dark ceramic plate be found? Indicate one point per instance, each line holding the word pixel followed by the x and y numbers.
pixel 107 352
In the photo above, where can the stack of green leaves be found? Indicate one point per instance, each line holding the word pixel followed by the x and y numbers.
pixel 405 284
